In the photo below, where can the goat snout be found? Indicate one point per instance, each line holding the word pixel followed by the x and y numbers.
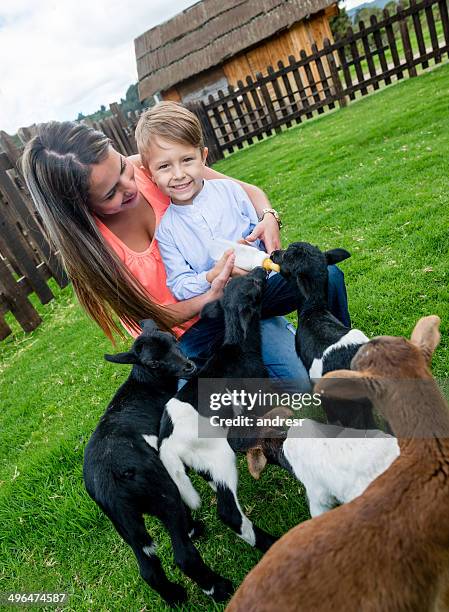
pixel 189 368
pixel 259 274
pixel 277 257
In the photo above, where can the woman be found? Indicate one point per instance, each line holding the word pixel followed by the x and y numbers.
pixel 101 211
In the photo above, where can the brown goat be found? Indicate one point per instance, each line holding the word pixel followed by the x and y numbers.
pixel 387 550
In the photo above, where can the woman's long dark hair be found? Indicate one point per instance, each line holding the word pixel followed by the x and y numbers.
pixel 56 165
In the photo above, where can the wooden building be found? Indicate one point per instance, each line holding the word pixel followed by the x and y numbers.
pixel 214 43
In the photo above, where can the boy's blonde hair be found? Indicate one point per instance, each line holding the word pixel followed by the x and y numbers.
pixel 171 121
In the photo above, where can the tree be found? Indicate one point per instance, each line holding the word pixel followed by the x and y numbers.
pixel 129 103
pixel 364 15
pixel 391 7
pixel 340 23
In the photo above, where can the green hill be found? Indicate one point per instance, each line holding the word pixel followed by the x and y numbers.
pixel 375 4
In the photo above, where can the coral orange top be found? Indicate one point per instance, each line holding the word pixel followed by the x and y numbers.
pixel 147 266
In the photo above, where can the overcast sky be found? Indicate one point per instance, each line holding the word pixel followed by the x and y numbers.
pixel 60 57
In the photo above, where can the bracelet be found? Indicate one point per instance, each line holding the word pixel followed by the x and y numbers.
pixel 273 212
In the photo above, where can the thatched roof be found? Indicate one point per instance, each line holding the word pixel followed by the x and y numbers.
pixel 209 32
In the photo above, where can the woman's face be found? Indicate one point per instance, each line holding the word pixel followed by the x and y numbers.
pixel 112 187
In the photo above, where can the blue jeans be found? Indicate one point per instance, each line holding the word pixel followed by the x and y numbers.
pixel 278 335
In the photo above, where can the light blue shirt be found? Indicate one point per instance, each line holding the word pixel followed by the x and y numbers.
pixel 221 210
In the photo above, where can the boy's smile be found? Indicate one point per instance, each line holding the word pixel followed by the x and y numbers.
pixel 181 187
pixel 176 168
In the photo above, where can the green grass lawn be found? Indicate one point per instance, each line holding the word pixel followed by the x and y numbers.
pixel 371 178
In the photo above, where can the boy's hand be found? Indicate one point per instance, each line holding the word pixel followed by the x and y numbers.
pixel 268 231
pixel 219 266
pixel 218 284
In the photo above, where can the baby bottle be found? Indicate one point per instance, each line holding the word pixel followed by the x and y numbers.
pixel 246 257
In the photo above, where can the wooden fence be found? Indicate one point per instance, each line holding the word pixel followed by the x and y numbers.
pixel 27 260
pixel 353 66
pixel 377 54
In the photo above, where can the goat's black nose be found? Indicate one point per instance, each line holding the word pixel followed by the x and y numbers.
pixel 189 368
pixel 276 256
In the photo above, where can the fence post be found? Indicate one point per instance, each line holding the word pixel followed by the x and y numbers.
pixel 16 247
pixel 17 201
pixel 311 80
pixel 392 44
pixel 405 35
pixel 344 67
pixel 127 130
pixel 380 49
pixel 288 89
pixel 419 33
pixel 356 60
pixel 442 5
pixel 325 89
pixel 368 55
pixel 210 138
pixel 240 114
pixel 259 106
pixel 5 330
pixel 249 109
pixel 10 148
pixel 17 300
pixel 433 34
pixel 268 102
pixel 230 120
pixel 278 94
pixel 336 81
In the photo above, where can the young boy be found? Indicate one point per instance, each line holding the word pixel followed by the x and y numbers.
pixel 171 147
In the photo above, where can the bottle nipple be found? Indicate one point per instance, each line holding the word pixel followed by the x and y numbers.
pixel 267 264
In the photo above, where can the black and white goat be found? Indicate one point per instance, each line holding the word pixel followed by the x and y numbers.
pixel 213 457
pixel 323 343
pixel 125 477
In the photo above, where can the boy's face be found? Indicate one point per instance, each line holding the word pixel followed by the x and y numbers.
pixel 176 168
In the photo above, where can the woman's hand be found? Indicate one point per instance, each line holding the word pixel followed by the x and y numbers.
pixel 268 231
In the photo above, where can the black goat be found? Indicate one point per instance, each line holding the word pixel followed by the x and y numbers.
pixel 125 477
pixel 323 343
pixel 213 457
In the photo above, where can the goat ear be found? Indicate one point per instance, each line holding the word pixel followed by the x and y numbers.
pixel 245 316
pixel 148 325
pixel 304 284
pixel 256 461
pixel 212 310
pixel 334 256
pixel 426 335
pixel 128 357
pixel 344 384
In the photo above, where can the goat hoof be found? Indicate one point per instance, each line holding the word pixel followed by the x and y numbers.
pixel 176 596
pixel 198 528
pixel 264 541
pixel 222 590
